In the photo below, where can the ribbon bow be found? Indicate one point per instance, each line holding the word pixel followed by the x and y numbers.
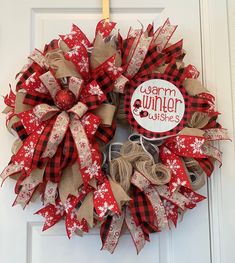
pixel 82 124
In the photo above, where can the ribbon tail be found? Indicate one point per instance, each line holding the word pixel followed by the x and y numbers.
pixel 57 134
pixel 83 147
pixel 110 232
pixel 135 231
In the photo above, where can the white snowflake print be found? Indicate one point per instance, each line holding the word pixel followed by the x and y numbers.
pixel 168 207
pixel 93 169
pixel 70 35
pixel 59 209
pixel 33 119
pixel 73 213
pixel 95 127
pixel 103 209
pixel 178 183
pixel 31 79
pixel 166 150
pixel 95 90
pixel 74 51
pixel 19 164
pixel 29 150
pixel 197 145
pixel 86 120
pixel 172 164
pixel 41 89
pixel 112 68
pixel 49 219
pixel 67 205
pixel 84 44
pixel 40 130
pixel 192 197
pixel 179 143
pixel 72 228
pixel 83 64
pixel 100 193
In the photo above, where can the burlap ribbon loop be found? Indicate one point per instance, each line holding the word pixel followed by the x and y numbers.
pixel 133 156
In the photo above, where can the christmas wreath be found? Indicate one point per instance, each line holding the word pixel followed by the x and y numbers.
pixel 65 108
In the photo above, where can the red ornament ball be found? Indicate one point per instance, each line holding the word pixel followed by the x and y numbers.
pixel 65 99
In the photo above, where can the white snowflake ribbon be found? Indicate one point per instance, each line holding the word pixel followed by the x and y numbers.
pixel 44 111
pixel 138 55
pixel 135 231
pixel 11 169
pixel 114 233
pixel 75 85
pixel 79 109
pixel 51 83
pixel 38 58
pixel 175 197
pixel 57 134
pixel 50 193
pixel 119 84
pixel 81 142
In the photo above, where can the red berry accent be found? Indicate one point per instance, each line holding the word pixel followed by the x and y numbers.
pixel 65 99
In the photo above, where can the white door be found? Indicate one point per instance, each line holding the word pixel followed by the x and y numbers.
pixel 207 233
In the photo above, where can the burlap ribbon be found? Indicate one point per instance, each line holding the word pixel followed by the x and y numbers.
pixel 133 156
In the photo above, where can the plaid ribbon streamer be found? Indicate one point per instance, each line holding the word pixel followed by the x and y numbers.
pixel 141 207
pixel 35 98
pixel 199 104
pixel 41 145
pixel 104 81
pixel 69 153
pixel 19 128
pixel 34 67
pixel 152 60
pixel 174 51
pixel 106 134
pixel 53 170
pixel 177 74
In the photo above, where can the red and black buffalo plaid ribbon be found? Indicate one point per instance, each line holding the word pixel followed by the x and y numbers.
pixel 213 122
pixel 104 81
pixel 153 59
pixel 174 51
pixel 141 208
pixel 19 128
pixel 199 104
pixel 177 74
pixel 69 153
pixel 35 98
pixel 41 145
pixel 53 169
pixel 34 67
pixel 105 134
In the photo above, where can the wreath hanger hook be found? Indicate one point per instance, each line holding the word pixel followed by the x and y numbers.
pixel 105 9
